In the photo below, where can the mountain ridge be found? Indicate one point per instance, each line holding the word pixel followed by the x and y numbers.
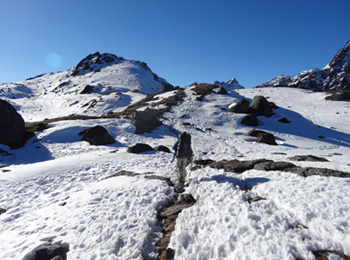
pixel 334 76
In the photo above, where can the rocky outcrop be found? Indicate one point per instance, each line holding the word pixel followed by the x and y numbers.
pixel 307 158
pixel 97 135
pixel 12 130
pixel 269 165
pixel 95 62
pixel 55 251
pixel 342 96
pixel 334 76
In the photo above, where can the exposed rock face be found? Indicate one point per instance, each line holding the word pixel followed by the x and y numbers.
pixel 139 148
pixel 261 107
pixel 95 62
pixel 241 106
pixel 97 135
pixel 145 121
pixel 334 76
pixel 56 251
pixel 12 131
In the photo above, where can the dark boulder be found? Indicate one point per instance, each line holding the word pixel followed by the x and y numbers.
pixel 261 107
pixel 140 148
pixel 255 132
pixel 145 121
pixel 266 138
pixel 241 106
pixel 56 251
pixel 162 148
pixel 87 89
pixel 2 211
pixel 250 120
pixel 12 131
pixel 97 135
pixel 307 158
pixel 222 91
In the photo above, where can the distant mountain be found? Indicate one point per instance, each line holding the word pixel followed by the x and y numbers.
pixel 230 84
pixel 334 76
pixel 98 84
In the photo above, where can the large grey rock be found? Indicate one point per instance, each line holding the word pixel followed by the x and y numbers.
pixel 261 107
pixel 97 135
pixel 12 131
pixel 240 106
pixel 145 121
pixel 56 251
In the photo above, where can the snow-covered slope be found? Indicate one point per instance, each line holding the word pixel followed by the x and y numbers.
pixel 334 76
pixel 99 84
pixel 55 187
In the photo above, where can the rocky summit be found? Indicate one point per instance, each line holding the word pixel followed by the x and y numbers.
pixel 334 76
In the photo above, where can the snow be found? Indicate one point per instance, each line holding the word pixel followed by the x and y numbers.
pixel 116 218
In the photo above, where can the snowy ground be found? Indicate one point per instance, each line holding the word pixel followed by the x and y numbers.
pixel 116 218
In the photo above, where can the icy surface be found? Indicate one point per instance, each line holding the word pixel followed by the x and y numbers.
pixel 55 186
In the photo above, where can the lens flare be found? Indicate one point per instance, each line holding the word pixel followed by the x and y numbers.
pixel 54 60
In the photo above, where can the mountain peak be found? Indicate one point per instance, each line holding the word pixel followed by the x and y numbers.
pixel 230 84
pixel 95 62
pixel 334 76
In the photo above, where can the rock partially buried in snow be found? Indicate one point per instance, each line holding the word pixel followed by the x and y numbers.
pixel 266 138
pixel 162 148
pixel 250 120
pixel 56 251
pixel 308 158
pixel 12 131
pixel 97 135
pixel 140 148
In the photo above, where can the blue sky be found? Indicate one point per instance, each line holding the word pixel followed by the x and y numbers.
pixel 182 41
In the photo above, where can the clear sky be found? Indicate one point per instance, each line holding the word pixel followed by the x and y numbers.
pixel 182 41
